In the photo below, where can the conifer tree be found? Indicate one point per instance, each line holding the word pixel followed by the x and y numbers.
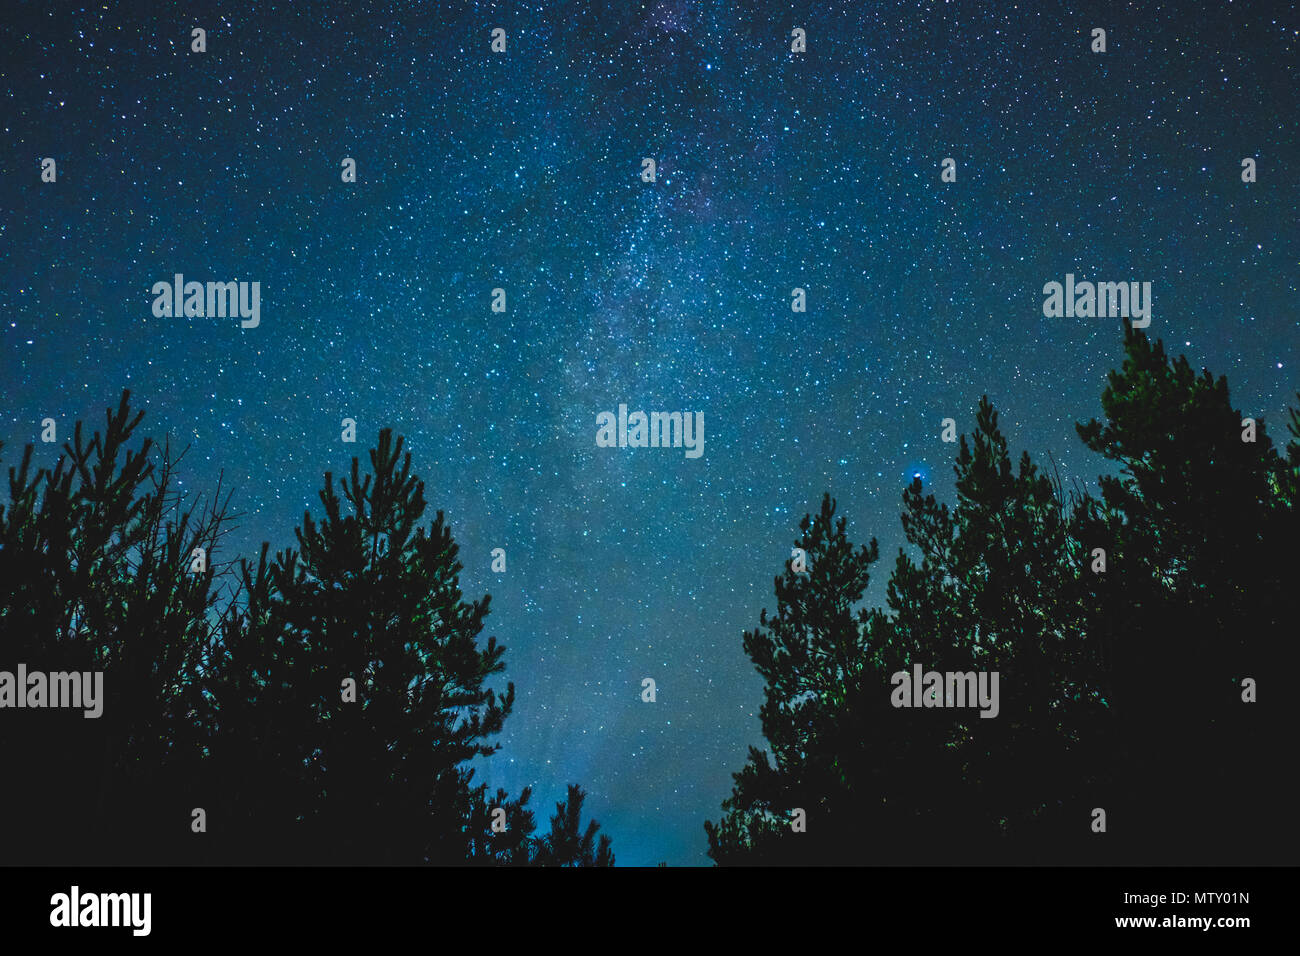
pixel 378 696
pixel 1124 631
pixel 568 843
pixel 350 695
pixel 996 589
pixel 235 702
pixel 1201 529
pixel 98 573
pixel 811 654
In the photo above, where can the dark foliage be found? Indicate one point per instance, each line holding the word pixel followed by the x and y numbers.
pixel 226 687
pixel 1120 690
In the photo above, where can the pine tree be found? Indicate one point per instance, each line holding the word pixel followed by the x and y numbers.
pixel 1121 630
pixel 95 575
pixel 307 774
pixel 998 590
pixel 812 655
pixel 368 608
pixel 568 843
pixel 1200 529
pixel 233 702
pixel 1289 481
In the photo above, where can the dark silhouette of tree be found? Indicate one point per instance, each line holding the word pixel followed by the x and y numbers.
pixel 95 575
pixel 812 654
pixel 1200 530
pixel 998 590
pixel 372 597
pixel 567 843
pixel 1115 687
pixel 993 592
pixel 234 702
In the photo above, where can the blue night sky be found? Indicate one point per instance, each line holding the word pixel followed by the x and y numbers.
pixel 522 171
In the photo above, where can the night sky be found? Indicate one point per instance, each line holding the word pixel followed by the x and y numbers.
pixel 522 171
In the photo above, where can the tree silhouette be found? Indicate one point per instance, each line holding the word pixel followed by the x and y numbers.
pixel 370 599
pixel 1116 686
pixel 241 703
pixel 95 575
pixel 998 590
pixel 567 843
pixel 1201 529
pixel 812 655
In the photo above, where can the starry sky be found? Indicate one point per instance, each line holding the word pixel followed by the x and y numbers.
pixel 521 171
